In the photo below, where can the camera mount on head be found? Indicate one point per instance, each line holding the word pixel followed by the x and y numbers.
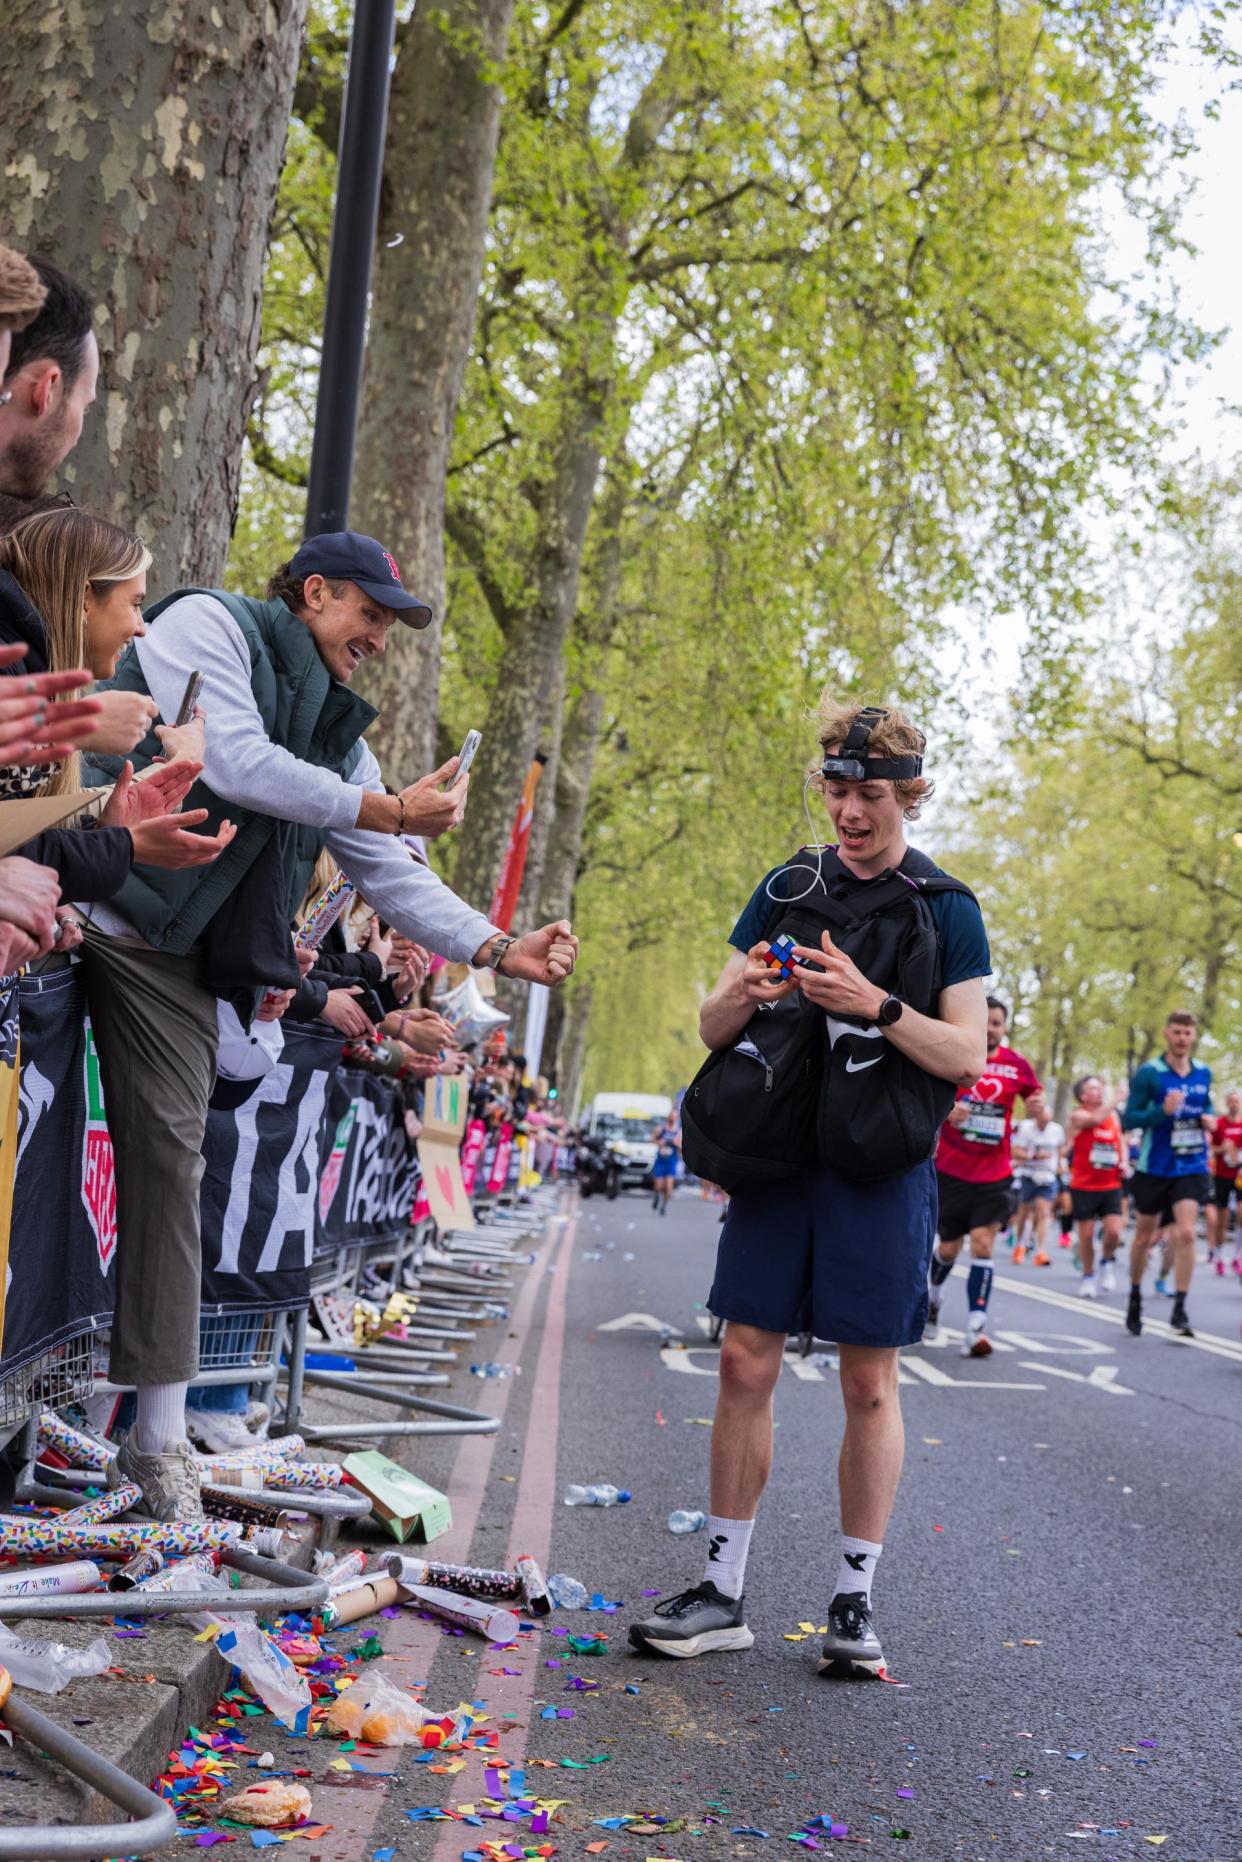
pixel 854 764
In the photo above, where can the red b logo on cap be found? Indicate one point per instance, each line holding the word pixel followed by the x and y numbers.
pixel 392 564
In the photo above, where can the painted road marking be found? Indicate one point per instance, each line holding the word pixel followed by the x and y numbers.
pixel 932 1374
pixel 1100 1376
pixel 1111 1315
pixel 641 1322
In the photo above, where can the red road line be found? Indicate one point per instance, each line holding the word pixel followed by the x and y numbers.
pixel 531 1532
pixel 410 1642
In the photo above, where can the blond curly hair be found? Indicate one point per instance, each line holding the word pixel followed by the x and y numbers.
pixel 22 291
pixel 895 734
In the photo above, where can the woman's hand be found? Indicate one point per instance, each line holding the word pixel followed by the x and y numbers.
pixel 166 842
pixel 378 945
pixel 305 959
pixel 30 894
pixel 274 1004
pixel 32 730
pixel 422 1029
pixel 185 739
pixel 411 961
pixel 125 720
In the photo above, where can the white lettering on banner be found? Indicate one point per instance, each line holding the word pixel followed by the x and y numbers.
pixel 235 1210
pixel 645 1322
pixel 296 1185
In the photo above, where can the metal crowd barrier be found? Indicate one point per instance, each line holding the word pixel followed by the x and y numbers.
pixel 154 1821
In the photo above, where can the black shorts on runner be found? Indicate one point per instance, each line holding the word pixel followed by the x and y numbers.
pixel 964 1205
pixel 1094 1205
pixel 1223 1191
pixel 1152 1194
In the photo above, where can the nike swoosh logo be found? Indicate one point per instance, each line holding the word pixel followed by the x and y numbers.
pixel 851 1066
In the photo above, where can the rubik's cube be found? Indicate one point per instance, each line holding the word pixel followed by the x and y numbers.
pixel 780 955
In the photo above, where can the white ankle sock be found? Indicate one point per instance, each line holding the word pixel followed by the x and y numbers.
pixel 728 1542
pixel 161 1417
pixel 858 1562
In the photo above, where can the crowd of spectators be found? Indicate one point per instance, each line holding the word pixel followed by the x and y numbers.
pixel 192 775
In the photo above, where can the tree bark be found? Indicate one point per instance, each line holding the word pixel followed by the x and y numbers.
pixel 519 711
pixel 146 140
pixel 443 123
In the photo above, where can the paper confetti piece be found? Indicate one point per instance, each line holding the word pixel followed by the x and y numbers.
pixel 1155 1840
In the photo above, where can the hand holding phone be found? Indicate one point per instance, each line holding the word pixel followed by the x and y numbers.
pixel 467 755
pixel 190 698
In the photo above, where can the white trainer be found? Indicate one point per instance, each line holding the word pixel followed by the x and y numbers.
pixel 169 1481
pixel 1087 1287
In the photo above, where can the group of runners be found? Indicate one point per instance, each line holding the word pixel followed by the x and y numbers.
pixel 1160 1152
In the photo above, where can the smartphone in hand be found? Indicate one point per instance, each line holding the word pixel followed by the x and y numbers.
pixel 469 750
pixel 193 692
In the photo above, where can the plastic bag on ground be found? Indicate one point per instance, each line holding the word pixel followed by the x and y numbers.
pixel 50 1666
pixel 379 1713
pixel 267 1672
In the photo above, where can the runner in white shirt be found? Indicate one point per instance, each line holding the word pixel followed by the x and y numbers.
pixel 1037 1146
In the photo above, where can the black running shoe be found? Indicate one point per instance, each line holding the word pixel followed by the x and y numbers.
pixel 852 1646
pixel 1134 1313
pixel 702 1621
pixel 1179 1321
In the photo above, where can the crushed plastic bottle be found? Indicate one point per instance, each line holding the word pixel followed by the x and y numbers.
pixel 598 1493
pixel 684 1521
pixel 50 1666
pixel 492 1369
pixel 566 1592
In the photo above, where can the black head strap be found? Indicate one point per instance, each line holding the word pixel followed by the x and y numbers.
pixel 853 763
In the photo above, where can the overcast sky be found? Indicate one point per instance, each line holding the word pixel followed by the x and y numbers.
pixel 1210 284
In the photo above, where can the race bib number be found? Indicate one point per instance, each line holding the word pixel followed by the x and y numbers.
pixel 1104 1157
pixel 983 1124
pixel 1188 1136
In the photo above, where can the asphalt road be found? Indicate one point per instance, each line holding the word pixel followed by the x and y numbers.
pixel 1059 1594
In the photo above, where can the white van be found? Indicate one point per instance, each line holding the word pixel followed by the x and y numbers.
pixel 629 1122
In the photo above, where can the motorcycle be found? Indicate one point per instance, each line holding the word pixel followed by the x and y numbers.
pixel 599 1167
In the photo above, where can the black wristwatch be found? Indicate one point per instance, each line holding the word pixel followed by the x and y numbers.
pixel 890 1011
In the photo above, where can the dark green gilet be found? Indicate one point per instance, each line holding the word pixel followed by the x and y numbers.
pixel 304 710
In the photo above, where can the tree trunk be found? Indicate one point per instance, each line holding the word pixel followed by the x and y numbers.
pixel 571 1048
pixel 145 145
pixel 519 712
pixel 573 788
pixel 444 118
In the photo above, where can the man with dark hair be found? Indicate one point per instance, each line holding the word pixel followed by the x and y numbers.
pixel 974 1174
pixel 1171 1104
pixel 51 379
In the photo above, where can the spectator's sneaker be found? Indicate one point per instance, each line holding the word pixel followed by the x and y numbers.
pixel 1108 1277
pixel 169 1481
pixel 216 1431
pixel 258 1415
pixel 1134 1313
pixel 852 1646
pixel 701 1621
pixel 931 1327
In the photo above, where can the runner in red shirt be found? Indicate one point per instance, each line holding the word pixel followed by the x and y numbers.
pixel 1226 1145
pixel 1098 1161
pixel 975 1177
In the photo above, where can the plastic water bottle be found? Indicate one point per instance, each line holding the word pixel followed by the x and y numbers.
pixel 683 1521
pixel 599 1493
pixel 566 1592
pixel 491 1369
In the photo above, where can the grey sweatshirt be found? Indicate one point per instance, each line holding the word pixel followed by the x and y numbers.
pixel 243 766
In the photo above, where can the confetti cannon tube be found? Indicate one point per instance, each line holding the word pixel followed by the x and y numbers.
pixel 271 1471
pixel 50 1538
pixel 345 1570
pixel 466 1612
pixel 535 1593
pixel 108 1506
pixel 364 1597
pixel 142 1565
pixel 79 1450
pixel 470 1580
pixel 51 1580
pixel 323 914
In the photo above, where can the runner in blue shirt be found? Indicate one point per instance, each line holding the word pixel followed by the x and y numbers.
pixel 1171 1105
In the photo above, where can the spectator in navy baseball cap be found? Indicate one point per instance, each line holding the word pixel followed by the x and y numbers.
pixel 347 556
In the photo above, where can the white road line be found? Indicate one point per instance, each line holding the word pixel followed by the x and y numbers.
pixel 1109 1315
pixel 1102 1377
pixel 932 1374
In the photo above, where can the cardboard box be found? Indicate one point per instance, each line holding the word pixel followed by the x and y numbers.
pixel 398 1498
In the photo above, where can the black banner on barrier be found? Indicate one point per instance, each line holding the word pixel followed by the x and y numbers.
pixel 261 1182
pixel 63 1239
pixel 370 1172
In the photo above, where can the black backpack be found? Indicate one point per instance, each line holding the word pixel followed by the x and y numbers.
pixel 781 1098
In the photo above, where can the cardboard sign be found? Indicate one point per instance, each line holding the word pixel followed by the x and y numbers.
pixel 443 1188
pixel 398 1498
pixel 21 821
pixel 445 1103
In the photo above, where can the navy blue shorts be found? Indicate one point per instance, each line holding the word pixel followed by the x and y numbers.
pixel 848 1261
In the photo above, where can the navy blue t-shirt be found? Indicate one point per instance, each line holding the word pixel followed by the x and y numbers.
pixel 963 941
